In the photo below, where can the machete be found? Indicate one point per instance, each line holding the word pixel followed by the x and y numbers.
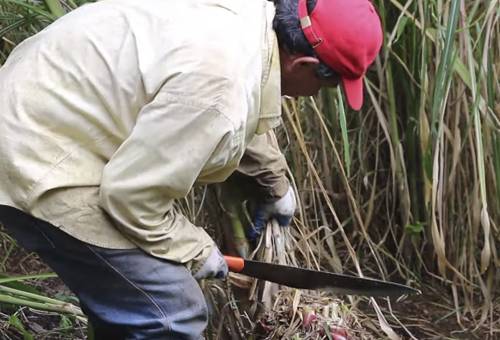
pixel 312 279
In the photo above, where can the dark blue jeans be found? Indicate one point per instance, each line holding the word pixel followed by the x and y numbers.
pixel 126 294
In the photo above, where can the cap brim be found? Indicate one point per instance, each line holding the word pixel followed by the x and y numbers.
pixel 353 89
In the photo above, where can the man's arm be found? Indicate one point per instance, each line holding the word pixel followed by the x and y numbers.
pixel 263 171
pixel 266 165
pixel 172 141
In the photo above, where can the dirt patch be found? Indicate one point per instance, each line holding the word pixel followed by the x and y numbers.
pixel 432 315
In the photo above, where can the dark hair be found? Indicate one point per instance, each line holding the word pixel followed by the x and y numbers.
pixel 286 24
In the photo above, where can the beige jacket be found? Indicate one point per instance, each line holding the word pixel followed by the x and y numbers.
pixel 120 107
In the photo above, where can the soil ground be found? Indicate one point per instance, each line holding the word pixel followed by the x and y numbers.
pixel 432 316
pixel 429 316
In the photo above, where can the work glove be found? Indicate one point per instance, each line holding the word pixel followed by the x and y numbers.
pixel 282 210
pixel 214 267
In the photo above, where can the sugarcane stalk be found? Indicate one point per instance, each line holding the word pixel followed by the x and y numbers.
pixel 60 308
pixel 32 296
pixel 240 241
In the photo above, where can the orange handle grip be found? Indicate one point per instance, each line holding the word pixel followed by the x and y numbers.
pixel 235 264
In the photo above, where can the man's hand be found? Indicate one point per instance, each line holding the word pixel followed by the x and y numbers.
pixel 214 267
pixel 282 210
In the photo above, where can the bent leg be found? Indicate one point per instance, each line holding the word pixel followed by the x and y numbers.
pixel 127 294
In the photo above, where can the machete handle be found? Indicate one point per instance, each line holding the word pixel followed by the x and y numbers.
pixel 235 264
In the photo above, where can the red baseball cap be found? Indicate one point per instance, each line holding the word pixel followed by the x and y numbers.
pixel 347 36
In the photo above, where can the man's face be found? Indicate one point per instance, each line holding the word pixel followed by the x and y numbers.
pixel 299 76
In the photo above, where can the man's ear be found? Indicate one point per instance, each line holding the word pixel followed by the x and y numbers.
pixel 293 62
pixel 298 62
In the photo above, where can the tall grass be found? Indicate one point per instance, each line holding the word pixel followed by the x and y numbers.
pixel 446 63
pixel 409 187
pixel 424 187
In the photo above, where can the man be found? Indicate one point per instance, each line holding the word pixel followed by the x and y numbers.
pixel 120 107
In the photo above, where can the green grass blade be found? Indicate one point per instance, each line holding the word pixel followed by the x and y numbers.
pixel 13 26
pixel 443 75
pixel 55 8
pixel 33 8
pixel 27 277
pixel 345 136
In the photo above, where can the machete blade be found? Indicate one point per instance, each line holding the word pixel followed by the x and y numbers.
pixel 312 279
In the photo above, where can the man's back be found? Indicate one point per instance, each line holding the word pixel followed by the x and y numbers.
pixel 174 85
pixel 77 87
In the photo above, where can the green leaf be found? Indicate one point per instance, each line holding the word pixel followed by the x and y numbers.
pixel 345 137
pixel 5 278
pixel 401 28
pixel 33 8
pixel 15 281
pixel 427 163
pixel 65 322
pixel 55 7
pixel 444 71
pixel 17 324
pixel 328 331
pixel 11 27
pixel 414 229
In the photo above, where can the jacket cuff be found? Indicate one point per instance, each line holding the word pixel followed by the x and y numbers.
pixel 276 190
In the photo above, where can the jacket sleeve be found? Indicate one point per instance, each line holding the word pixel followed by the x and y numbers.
pixel 173 139
pixel 266 166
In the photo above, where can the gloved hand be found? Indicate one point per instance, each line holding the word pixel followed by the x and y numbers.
pixel 282 210
pixel 214 267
